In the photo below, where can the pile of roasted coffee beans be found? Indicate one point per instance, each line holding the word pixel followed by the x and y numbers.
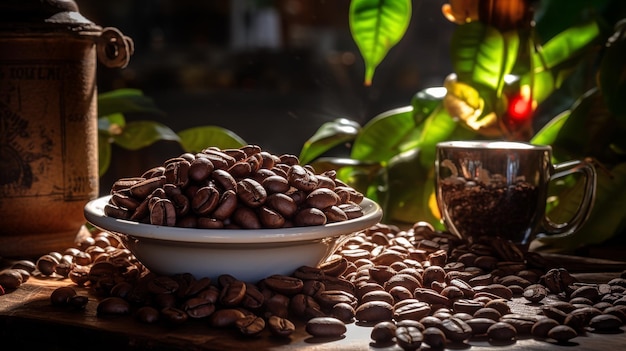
pixel 411 287
pixel 234 188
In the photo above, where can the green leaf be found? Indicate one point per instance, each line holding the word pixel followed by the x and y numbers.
pixel 554 16
pixel 126 101
pixel 548 134
pixel 386 135
pixel 104 153
pixel 612 72
pixel 589 130
pixel 112 124
pixel 329 135
pixel 137 135
pixel 376 26
pixel 555 60
pixel 439 127
pixel 198 138
pixel 358 174
pixel 425 101
pixel 408 189
pixel 482 55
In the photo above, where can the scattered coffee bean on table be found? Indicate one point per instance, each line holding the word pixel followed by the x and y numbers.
pixel 412 287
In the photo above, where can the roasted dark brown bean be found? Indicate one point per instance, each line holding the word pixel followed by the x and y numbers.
pixel 205 200
pixel 480 325
pixel 541 327
pixel 280 326
pixel 605 323
pixel 233 293
pixel 275 184
pixel 501 331
pixel 163 212
pixel 409 338
pixel 411 309
pixel 113 306
pixel 326 327
pixel 147 314
pixel 434 337
pixel 270 218
pixel 251 193
pixel 562 333
pixel 250 325
pixel 174 316
pixel 383 332
pixel 226 317
pixel 374 311
pixel 456 329
pixel 247 218
pixel 284 284
pixel 61 296
pixel 343 311
pixel 310 217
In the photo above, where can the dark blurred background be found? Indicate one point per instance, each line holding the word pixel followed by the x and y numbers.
pixel 270 71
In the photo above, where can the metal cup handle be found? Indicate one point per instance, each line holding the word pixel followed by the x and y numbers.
pixel 581 215
pixel 114 49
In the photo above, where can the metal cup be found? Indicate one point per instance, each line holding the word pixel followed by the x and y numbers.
pixel 496 188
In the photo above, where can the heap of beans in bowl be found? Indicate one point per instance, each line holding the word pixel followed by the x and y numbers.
pixel 244 187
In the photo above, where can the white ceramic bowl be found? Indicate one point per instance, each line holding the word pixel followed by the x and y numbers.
pixel 247 254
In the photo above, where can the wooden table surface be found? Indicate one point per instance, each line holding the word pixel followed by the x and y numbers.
pixel 28 319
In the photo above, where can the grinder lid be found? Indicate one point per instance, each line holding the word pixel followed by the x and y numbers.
pixel 43 16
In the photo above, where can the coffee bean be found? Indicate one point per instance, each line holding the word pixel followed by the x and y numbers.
pixel 284 284
pixel 197 307
pixel 500 305
pixel 328 298
pixel 562 333
pixel 343 311
pixel 588 292
pixel 147 314
pixel 501 331
pixel 61 296
pixel 322 198
pixel 174 316
pixel 431 297
pixel 11 278
pixel 205 200
pixel 467 306
pixel 434 337
pixel 46 264
pixel 522 323
pixel 374 311
pixel 456 329
pixel 250 325
pixel 605 322
pixel 113 306
pixel 488 312
pixel 162 285
pixel 325 327
pixel 618 311
pixel 535 293
pixel 541 327
pixel 383 332
pixel 495 289
pixel 281 327
pixel 377 295
pixel 409 338
pixel 226 317
pixel 412 309
pixel 480 325
pixel 309 217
